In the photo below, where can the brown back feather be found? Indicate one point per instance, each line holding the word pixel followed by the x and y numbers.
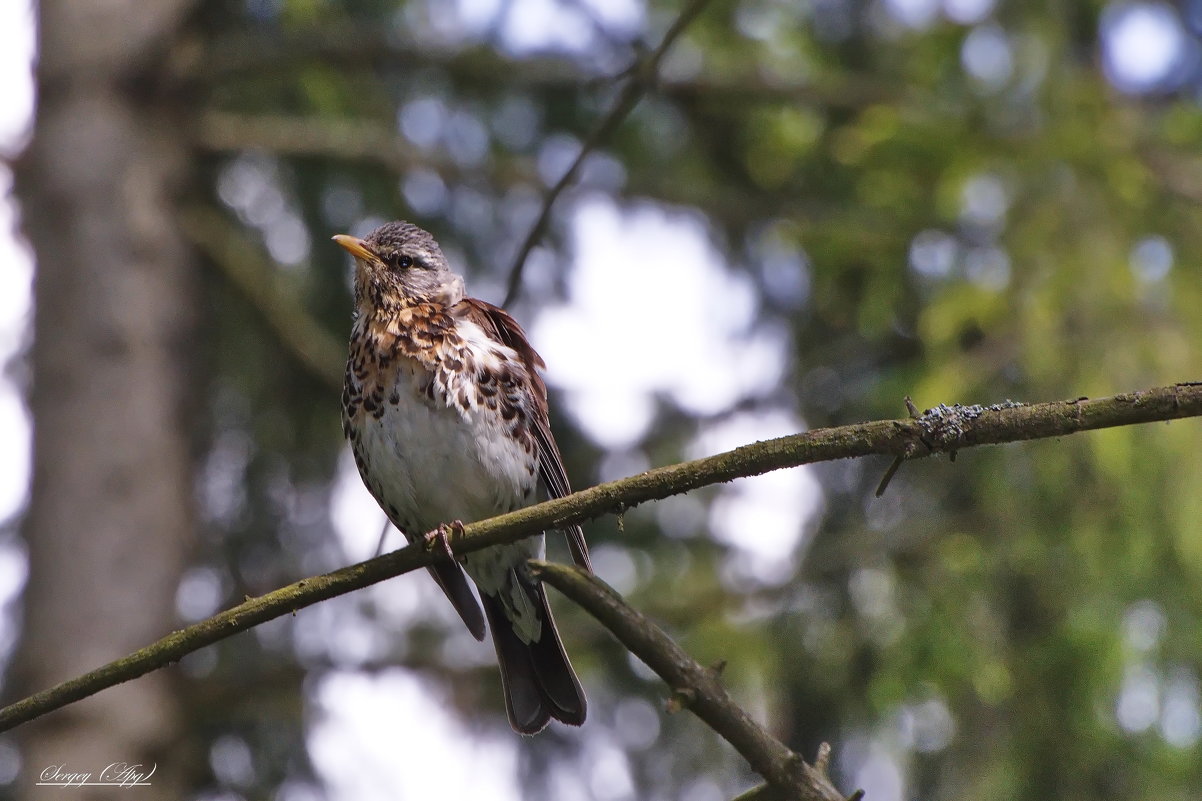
pixel 499 325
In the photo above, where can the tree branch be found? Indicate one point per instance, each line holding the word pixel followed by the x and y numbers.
pixel 243 264
pixel 642 75
pixel 369 48
pixel 698 687
pixel 359 140
pixel 371 142
pixel 943 429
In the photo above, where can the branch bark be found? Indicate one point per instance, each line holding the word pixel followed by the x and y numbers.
pixel 693 686
pixel 110 520
pixel 943 429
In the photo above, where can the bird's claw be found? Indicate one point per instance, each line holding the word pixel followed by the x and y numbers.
pixel 440 537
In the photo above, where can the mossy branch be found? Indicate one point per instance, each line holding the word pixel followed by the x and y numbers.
pixel 940 430
pixel 693 686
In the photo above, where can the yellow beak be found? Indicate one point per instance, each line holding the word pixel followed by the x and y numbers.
pixel 356 246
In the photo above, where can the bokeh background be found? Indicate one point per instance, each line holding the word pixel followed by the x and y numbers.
pixel 821 207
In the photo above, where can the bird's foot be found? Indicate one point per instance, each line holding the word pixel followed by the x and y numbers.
pixel 440 537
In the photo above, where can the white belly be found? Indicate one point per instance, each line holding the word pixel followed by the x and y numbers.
pixel 434 465
pixel 428 462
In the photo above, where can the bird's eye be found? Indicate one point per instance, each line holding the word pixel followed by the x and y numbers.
pixel 404 262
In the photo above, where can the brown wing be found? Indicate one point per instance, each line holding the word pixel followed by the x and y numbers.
pixel 499 325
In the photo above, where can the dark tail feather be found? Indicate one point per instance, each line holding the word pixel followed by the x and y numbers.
pixel 578 547
pixel 454 584
pixel 538 679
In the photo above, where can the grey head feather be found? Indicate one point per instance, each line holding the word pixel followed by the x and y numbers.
pixel 413 263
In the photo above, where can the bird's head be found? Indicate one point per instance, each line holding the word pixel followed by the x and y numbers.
pixel 399 265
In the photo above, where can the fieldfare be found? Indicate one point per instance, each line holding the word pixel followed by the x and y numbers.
pixel 447 418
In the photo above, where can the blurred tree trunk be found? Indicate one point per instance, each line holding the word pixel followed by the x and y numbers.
pixel 110 520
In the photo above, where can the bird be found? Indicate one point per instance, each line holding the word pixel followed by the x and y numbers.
pixel 447 418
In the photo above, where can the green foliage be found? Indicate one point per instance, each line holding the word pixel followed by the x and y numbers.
pixel 997 591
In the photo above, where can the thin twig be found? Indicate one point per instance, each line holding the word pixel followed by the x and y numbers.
pixel 383 537
pixel 939 430
pixel 703 693
pixel 897 460
pixel 885 479
pixel 764 792
pixel 642 76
